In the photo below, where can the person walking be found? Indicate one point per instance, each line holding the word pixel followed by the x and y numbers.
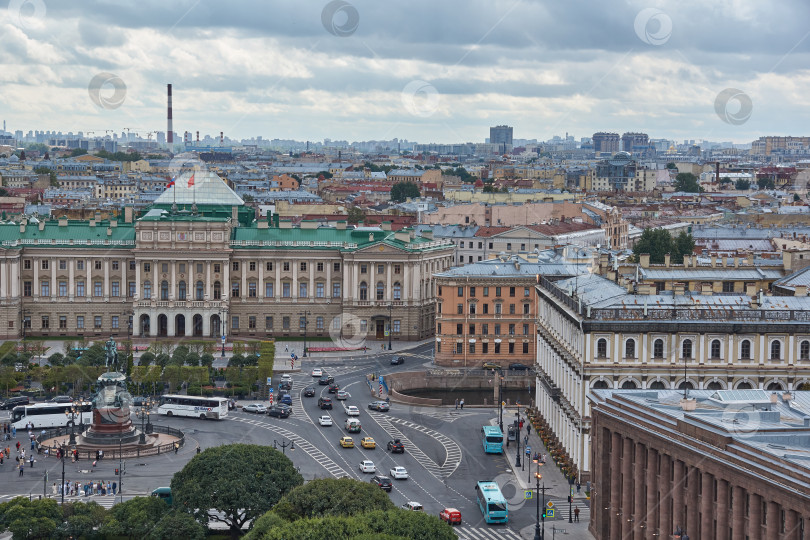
pixel 13 430
pixel 529 429
pixel 579 486
pixel 18 446
pixel 114 487
pixel 54 489
pixel 576 514
pixel 31 460
pixel 456 403
pixel 461 404
pixel 22 467
pixel 176 447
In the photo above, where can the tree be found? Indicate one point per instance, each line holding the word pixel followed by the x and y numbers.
pixel 355 215
pixel 176 524
pixel 658 242
pixel 134 518
pixel 179 355
pixel 193 359
pixel 403 190
pixel 146 359
pixel 672 165
pixel 248 198
pixel 207 360
pixel 796 197
pixel 684 245
pixel 78 152
pixel 766 183
pixel 81 520
pixel 30 519
pixel 742 184
pixel 688 183
pixel 332 497
pixel 725 180
pixel 234 483
pixel 489 188
pixel 324 174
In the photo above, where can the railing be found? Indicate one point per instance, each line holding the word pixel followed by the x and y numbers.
pixel 112 452
pixel 690 313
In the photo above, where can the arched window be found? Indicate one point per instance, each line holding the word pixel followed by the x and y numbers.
pixel 600 385
pixel 217 290
pixel 714 385
pixel 745 350
pixel 776 349
pixel 363 291
pixel 181 290
pixel 657 385
pixel 804 350
pixel 147 289
pixel 397 291
pixel 715 348
pixel 380 290
pixel 687 348
pixel 200 292
pixel 658 348
pixel 744 386
pixel 164 290
pixel 686 385
pixel 630 349
pixel 601 349
pixel 629 385
pixel 775 386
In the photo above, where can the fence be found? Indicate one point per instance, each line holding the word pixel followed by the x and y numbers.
pixel 112 451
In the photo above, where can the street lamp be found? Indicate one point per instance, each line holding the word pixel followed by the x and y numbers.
pixel 538 535
pixel 284 444
pixel 500 399
pixel 517 436
pixel 390 324
pixel 143 414
pixel 305 313
pixel 62 450
pixel 72 413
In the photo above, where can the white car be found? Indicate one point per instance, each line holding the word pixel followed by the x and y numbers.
pixel 325 420
pixel 317 372
pixel 352 410
pixel 286 377
pixel 400 473
pixel 255 408
pixel 367 466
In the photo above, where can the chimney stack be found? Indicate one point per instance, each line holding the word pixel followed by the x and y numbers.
pixel 221 139
pixel 198 137
pixel 170 132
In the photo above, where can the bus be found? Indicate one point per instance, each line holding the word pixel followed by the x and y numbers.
pixel 492 439
pixel 50 415
pixel 200 407
pixel 491 502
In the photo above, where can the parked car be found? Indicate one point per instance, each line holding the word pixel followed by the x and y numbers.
pixel 383 482
pixel 414 506
pixel 396 447
pixel 346 442
pixel 398 360
pixel 285 399
pixel 381 406
pixel 10 403
pixel 309 391
pixel 342 395
pixel 399 473
pixel 517 366
pixel 325 420
pixel 352 410
pixel 68 399
pixel 451 516
pixel 367 466
pixel 317 372
pixel 333 388
pixel 368 442
pixel 490 365
pixel 325 403
pixel 279 411
pixel 255 408
pixel 326 379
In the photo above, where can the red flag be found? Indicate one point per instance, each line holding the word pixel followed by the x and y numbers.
pixel 191 181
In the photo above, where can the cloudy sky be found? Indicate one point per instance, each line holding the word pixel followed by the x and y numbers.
pixel 430 71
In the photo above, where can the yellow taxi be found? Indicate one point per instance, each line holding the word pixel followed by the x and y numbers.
pixel 346 442
pixel 368 442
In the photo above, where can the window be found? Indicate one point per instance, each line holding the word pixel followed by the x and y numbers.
pixel 525 309
pixel 80 322
pixel 397 326
pixel 522 247
pixel 397 269
pixel 472 330
pixel 686 348
pixel 268 289
pixel 776 349
pixel 511 309
pixel 182 268
pixel 252 320
pixel 485 348
pixel 472 308
pixel 46 322
pixel 459 309
pixel 217 268
pixel 131 289
pixel 97 265
pixel 460 292
pixel 62 322
pixel 745 350
pixel 497 348
pixel 97 322
pixel 728 286
pixel 484 329
pixel 512 291
pixel 525 348
pixel 286 288
pixel 235 267
pixel 511 348
pixel 459 329
pixel 268 323
pixel 285 266
pixel 601 348
pixel 658 348
pixel 486 309
pixel 63 288
pixel 98 288
pixel 397 291
pixel 115 265
pixel 285 323
pixel 804 350
pixel 302 290
pixel 486 291
pixel 472 348
pixel 497 291
pixel 234 323
pixel 336 267
pixel 62 266
pixel 363 291
pixel 319 267
pixel 252 268
pixel 217 290
pixel 147 267
pixel 27 264
pixel 380 268
pixel 45 288
pixel 363 325
pixel 511 329
pixel 498 308
pixel 45 264
pixel 525 291
pixel 115 289
pixel 509 246
pixel 199 291
pixel 26 288
pixel 525 329
pixel 269 267
pixel 319 289
pixel 472 292
pixel 459 348
pixel 336 323
pixel 335 290
pixel 364 269
pixel 319 323
pixel 630 348
pixel 115 322
pixel 235 289
pixel 303 266
pixel 147 289
pixel 380 290
pixel 199 268
pixel 252 289
pixel 164 290
pixel 714 349
pixel 497 329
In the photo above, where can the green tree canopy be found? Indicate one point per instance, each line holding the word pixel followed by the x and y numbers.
pixel 176 525
pixel 234 483
pixel 687 182
pixel 77 152
pixel 81 520
pixel 402 190
pixel 355 215
pixel 765 183
pixel 30 519
pixel 332 497
pixel 146 358
pixel 134 518
pixel 658 242
pixel 742 184
pixel 671 165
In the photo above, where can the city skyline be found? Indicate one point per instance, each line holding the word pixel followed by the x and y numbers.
pixel 339 70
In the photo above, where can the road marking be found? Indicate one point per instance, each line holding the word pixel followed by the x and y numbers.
pixel 485 533
pixel 107 501
pixel 451 448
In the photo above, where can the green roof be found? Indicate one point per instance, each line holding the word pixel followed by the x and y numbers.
pixel 74 234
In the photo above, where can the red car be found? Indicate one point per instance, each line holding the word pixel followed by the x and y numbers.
pixel 451 516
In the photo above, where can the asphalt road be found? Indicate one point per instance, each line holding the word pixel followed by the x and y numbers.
pixel 443 453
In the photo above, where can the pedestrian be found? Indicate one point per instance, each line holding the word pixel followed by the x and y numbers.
pixel 286 348
pixel 461 404
pixel 13 431
pixel 114 487
pixel 529 429
pixel 18 446
pixel 109 487
pixel 579 486
pixel 22 467
pixel 198 448
pixel 520 424
pixel 456 403
pixel 176 447
pixel 54 489
pixel 31 460
pixel 526 440
pixel 33 443
pixel 576 514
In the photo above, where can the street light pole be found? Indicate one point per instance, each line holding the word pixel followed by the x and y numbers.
pixel 71 413
pixel 539 533
pixel 284 444
pixel 62 487
pixel 390 323
pixel 306 321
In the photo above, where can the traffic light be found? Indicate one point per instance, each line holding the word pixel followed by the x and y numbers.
pixel 544 514
pixel 570 499
pixel 116 472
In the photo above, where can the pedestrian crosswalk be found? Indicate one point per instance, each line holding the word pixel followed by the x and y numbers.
pixel 561 509
pixel 495 532
pixel 107 501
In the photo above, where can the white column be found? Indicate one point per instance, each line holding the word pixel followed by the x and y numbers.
pixel 137 283
pixel 244 292
pixel 15 279
pixel 294 292
pixel 107 280
pixel 226 278
pixel 328 279
pixel 153 321
pixel 311 290
pixel 406 286
pixel 88 287
pixel 277 286
pixel 389 294
pixel 206 328
pixel 36 264
pixel 172 290
pixel 209 289
pixel 260 285
pixel 4 279
pixel 54 290
pixel 170 330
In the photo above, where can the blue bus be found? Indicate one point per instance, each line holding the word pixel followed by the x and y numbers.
pixel 492 438
pixel 491 502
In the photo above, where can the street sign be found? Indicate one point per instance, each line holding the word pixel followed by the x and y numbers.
pixel 292 355
pixel 223 340
pixel 503 404
pixel 270 381
pixel 550 513
pixel 550 504
pixel 527 494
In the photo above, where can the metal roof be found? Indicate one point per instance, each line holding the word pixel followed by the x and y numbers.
pixel 741 396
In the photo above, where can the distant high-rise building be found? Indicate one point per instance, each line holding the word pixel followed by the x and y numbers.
pixel 500 135
pixel 631 141
pixel 606 142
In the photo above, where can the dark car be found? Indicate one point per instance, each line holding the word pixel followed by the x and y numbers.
pixel 333 388
pixel 383 481
pixel 63 399
pixel 137 401
pixel 325 403
pixel 396 447
pixel 518 367
pixel 285 399
pixel 326 379
pixel 284 385
pixel 397 361
pixel 280 411
pixel 10 403
pixel 381 406
pixel 309 391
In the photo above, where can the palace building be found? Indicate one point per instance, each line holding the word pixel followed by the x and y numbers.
pixel 199 263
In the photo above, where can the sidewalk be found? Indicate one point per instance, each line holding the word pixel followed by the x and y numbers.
pixel 285 348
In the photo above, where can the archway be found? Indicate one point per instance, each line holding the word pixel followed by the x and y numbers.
pixel 144 328
pixel 686 385
pixel 629 384
pixel 745 385
pixel 775 385
pixel 657 385
pixel 215 326
pixel 180 325
pixel 714 385
pixel 197 325
pixel 600 385
pixel 163 325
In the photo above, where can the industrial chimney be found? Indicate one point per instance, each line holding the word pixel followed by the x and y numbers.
pixel 221 139
pixel 170 132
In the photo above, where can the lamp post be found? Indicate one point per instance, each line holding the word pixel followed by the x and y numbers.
pixel 71 413
pixel 500 399
pixel 143 413
pixel 517 436
pixel 284 444
pixel 305 313
pixel 62 451
pixel 540 533
pixel 390 324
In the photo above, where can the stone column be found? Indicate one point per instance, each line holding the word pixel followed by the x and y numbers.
pixel 107 279
pixel 773 518
pixel 639 515
pixel 627 487
pixel 226 280
pixel 137 281
pixel 738 513
pixel 173 290
pixel 294 286
pixel 311 291
pixel 4 278
pixel 791 525
pixel 244 287
pixel 170 329
pixel 707 506
pixel 613 499
pixel 678 488
pixel 206 324
pixel 722 510
pixel 692 503
pixel 15 278
pixel 209 286
pixel 35 291
pixel 260 285
pixel 328 285
pixel 652 483
pixel 277 291
pixel 755 517
pixel 89 289
pixel 665 488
